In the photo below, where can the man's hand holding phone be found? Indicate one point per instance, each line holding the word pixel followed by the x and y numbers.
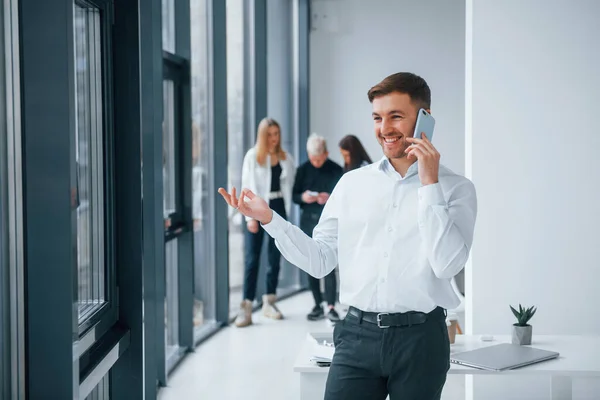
pixel 427 156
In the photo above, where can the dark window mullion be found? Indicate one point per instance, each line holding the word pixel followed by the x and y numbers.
pixel 96 171
pixel 89 146
pixel 49 179
pixel 108 198
pixel 86 147
pixel 81 121
pixel 104 129
pixel 86 150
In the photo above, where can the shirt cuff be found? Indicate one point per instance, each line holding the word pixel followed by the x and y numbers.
pixel 430 195
pixel 276 226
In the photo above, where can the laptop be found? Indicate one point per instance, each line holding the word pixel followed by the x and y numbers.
pixel 502 357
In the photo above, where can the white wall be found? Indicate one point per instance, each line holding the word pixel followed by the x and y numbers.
pixel 534 90
pixel 356 43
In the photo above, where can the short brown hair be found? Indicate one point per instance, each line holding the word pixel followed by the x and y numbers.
pixel 404 82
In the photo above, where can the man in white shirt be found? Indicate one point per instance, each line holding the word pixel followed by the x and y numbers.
pixel 400 229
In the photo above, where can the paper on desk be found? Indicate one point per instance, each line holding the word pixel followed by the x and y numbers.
pixel 321 353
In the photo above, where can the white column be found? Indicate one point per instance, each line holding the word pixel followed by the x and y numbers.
pixel 532 103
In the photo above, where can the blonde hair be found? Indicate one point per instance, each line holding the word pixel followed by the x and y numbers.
pixel 262 148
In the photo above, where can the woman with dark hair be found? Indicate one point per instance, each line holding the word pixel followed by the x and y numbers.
pixel 353 152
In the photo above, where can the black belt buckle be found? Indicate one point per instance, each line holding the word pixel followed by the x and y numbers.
pixel 379 316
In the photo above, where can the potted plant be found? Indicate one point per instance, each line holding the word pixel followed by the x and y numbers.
pixel 521 333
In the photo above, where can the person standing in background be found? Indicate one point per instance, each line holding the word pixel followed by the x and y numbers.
pixel 269 171
pixel 314 182
pixel 353 153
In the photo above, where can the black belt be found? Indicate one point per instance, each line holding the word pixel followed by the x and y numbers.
pixel 386 320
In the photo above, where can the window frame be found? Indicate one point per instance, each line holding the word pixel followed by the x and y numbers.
pixel 97 323
pixel 174 69
pixel 5 303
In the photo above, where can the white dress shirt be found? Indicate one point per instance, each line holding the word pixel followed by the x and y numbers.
pixel 398 243
pixel 257 177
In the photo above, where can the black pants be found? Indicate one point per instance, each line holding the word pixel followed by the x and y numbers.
pixel 308 221
pixel 252 248
pixel 408 363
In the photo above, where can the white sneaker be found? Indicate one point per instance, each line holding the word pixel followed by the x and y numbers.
pixel 244 317
pixel 269 308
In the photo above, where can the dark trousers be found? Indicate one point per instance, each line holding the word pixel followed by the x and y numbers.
pixel 330 289
pixel 408 363
pixel 252 248
pixel 308 221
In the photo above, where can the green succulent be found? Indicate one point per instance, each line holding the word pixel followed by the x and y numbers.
pixel 523 315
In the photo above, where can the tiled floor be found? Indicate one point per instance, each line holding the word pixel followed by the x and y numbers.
pixel 256 362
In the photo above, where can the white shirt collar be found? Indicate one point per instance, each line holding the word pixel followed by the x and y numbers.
pixel 386 166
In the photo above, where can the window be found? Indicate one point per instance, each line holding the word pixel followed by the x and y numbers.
pixel 171 208
pixel 171 299
pixel 170 172
pixel 168 25
pixel 177 154
pixel 204 273
pixel 235 145
pixel 89 195
pixel 101 391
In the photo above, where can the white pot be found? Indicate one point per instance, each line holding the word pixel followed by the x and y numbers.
pixel 521 335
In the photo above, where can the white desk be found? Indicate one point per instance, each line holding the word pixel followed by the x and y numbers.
pixel 579 357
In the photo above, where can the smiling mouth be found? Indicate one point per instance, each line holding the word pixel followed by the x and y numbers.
pixel 391 139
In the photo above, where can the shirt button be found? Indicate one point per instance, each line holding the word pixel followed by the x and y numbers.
pixel 395 205
pixel 385 255
pixel 390 229
pixel 382 280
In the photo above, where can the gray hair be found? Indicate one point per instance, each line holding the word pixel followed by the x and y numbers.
pixel 316 145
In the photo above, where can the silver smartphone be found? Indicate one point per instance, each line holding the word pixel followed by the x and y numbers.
pixel 425 124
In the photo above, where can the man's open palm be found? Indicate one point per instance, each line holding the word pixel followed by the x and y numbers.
pixel 248 204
